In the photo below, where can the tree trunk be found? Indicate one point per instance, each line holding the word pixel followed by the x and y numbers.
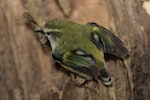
pixel 27 70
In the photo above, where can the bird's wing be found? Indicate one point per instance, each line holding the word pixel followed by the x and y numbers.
pixel 80 63
pixel 107 41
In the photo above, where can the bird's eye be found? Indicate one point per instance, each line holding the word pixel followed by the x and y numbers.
pixel 48 33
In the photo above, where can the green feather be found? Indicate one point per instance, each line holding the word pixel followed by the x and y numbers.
pixel 108 42
pixel 80 48
pixel 81 63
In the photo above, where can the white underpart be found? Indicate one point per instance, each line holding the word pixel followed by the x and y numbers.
pixel 52 42
pixel 50 38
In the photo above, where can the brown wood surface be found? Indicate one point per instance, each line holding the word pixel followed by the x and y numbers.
pixel 27 70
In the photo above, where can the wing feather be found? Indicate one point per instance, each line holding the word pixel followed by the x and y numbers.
pixel 83 65
pixel 107 41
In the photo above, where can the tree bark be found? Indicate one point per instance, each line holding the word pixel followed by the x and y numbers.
pixel 27 70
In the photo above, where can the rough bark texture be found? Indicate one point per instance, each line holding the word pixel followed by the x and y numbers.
pixel 27 71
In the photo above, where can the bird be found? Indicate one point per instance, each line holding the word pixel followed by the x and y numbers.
pixel 80 48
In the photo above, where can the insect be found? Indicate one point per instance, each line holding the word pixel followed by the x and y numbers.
pixel 80 48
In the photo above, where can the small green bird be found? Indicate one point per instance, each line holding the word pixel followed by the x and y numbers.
pixel 80 48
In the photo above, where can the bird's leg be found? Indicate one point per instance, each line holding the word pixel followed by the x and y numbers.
pixel 78 84
pixel 82 84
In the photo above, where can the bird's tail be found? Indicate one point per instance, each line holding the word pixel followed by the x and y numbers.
pixel 104 77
